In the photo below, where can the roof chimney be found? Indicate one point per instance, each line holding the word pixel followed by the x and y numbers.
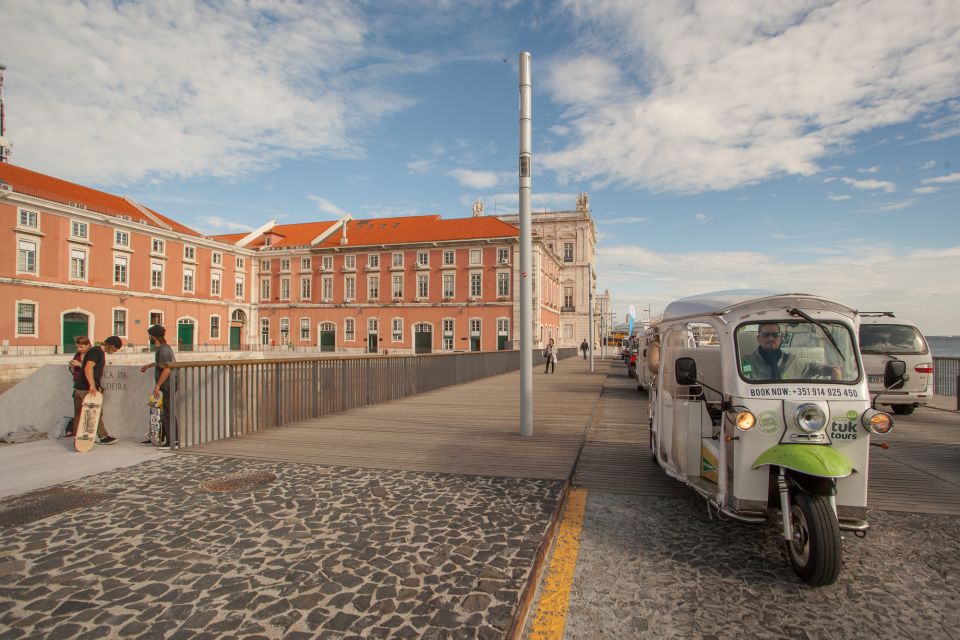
pixel 343 233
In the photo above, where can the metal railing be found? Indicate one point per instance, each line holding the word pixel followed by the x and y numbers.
pixel 215 400
pixel 945 373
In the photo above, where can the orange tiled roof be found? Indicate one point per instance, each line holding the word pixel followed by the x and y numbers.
pixel 298 234
pixel 39 185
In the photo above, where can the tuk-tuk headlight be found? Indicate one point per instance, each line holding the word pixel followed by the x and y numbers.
pixel 810 417
pixel 745 420
pixel 877 422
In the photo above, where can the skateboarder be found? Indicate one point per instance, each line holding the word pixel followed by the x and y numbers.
pixel 161 375
pixel 94 359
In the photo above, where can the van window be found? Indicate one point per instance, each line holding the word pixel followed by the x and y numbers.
pixel 891 338
pixel 796 351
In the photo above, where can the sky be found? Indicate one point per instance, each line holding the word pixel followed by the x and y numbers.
pixel 801 145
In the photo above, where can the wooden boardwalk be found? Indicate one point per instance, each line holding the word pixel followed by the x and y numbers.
pixel 471 429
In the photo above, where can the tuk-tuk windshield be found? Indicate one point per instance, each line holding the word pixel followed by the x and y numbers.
pixel 797 351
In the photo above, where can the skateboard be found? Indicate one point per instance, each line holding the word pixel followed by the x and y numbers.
pixel 156 416
pixel 89 418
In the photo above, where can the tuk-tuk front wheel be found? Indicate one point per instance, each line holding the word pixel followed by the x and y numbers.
pixel 815 551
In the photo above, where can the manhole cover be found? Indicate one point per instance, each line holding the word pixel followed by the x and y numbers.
pixel 42 504
pixel 240 481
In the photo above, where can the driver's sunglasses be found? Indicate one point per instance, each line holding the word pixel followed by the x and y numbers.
pixel 771 334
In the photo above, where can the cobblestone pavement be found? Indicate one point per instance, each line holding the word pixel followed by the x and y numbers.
pixel 320 552
pixel 658 568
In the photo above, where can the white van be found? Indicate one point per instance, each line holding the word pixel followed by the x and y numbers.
pixel 883 338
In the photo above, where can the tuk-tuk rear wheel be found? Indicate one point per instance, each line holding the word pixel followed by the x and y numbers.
pixel 815 551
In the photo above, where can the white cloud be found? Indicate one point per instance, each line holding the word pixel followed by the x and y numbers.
pixel 626 220
pixel 873 169
pixel 509 203
pixel 889 187
pixel 477 179
pixel 216 225
pixel 122 92
pixel 420 167
pixel 928 165
pixel 702 218
pixel 833 196
pixel 953 177
pixel 926 190
pixel 884 207
pixel 699 96
pixel 325 206
pixel 870 279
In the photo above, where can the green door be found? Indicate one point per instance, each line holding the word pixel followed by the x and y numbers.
pixel 422 341
pixel 474 343
pixel 328 341
pixel 185 336
pixel 371 343
pixel 235 338
pixel 501 342
pixel 74 326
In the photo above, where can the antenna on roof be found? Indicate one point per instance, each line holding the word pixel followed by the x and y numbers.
pixel 5 146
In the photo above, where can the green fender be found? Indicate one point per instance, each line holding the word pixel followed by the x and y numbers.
pixel 813 460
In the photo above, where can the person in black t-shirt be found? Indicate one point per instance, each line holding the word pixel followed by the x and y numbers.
pixel 93 362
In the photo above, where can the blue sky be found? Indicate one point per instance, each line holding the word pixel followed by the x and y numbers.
pixel 808 146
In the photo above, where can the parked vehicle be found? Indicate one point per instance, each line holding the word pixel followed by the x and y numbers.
pixel 648 359
pixel 884 338
pixel 625 349
pixel 632 363
pixel 772 413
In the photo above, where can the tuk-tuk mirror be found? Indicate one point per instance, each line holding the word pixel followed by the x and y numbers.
pixel 686 371
pixel 894 374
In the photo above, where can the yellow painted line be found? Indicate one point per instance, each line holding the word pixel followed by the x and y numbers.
pixel 554 601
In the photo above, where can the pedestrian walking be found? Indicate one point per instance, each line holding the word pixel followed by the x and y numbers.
pixel 94 360
pixel 161 376
pixel 550 353
pixel 584 347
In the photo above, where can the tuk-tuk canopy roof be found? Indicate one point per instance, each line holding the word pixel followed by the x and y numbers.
pixel 718 303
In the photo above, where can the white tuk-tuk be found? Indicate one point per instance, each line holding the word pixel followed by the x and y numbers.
pixel 772 411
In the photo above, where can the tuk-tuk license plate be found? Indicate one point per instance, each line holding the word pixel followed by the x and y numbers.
pixel 875 379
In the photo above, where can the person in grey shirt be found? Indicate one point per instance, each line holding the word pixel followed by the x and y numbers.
pixel 161 375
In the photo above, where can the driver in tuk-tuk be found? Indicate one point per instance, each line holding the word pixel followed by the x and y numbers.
pixel 770 362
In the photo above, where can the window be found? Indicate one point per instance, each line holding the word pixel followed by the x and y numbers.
pixel 119 271
pixel 238 287
pixel 423 286
pixel 158 246
pixel 328 263
pixel 265 266
pixel 568 252
pixel 350 262
pixel 449 257
pixel 373 325
pixel 503 284
pixel 188 280
pixel 28 218
pixel 398 286
pixel 120 322
pixel 306 286
pixel 240 264
pixel 26 319
pixel 265 331
pixel 78 229
pixel 26 256
pixel 503 255
pixel 284 331
pixel 448 334
pixel 215 284
pixel 328 288
pixel 284 288
pixel 156 275
pixel 503 327
pixel 214 327
pixel 373 260
pixel 189 253
pixel 448 290
pixel 265 289
pixel 350 287
pixel 474 327
pixel 121 238
pixel 568 296
pixel 398 259
pixel 284 264
pixel 78 264
pixel 156 317
pixel 373 287
pixel 476 288
pixel 304 328
pixel 476 256
pixel 305 263
pixel 216 258
pixel 267 241
pixel 397 330
pixel 423 258
pixel 567 331
pixel 348 330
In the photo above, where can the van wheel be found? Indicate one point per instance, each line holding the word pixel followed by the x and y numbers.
pixel 815 551
pixel 902 409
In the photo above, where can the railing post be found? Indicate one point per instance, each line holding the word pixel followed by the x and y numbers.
pixel 277 393
pixel 172 431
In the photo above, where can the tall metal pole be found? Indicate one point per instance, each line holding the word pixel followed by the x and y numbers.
pixel 4 145
pixel 590 324
pixel 526 249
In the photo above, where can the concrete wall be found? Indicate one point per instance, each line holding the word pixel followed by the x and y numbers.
pixel 42 401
